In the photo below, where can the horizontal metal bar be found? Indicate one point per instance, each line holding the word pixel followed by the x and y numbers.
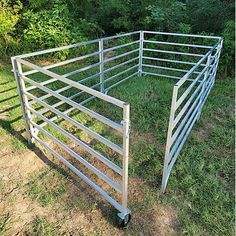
pixel 80 81
pixel 87 100
pixel 123 80
pixel 109 181
pixel 42 83
pixel 121 55
pixel 161 75
pixel 63 62
pixel 83 80
pixel 54 80
pixel 69 74
pixel 178 140
pixel 172 61
pixel 81 175
pixel 95 115
pixel 82 69
pixel 173 52
pixel 120 73
pixel 61 102
pixel 166 68
pixel 179 83
pixel 181 144
pixel 120 46
pixel 75 45
pixel 176 133
pixel 57 49
pixel 64 88
pixel 177 44
pixel 100 157
pixel 208 90
pixel 186 76
pixel 120 35
pixel 185 107
pixel 66 111
pixel 121 64
pixel 98 94
pixel 59 91
pixel 79 125
pixel 188 90
pixel 184 35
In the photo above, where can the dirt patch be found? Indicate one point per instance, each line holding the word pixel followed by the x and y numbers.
pixel 14 173
pixel 137 138
pixel 80 210
pixel 202 133
pixel 159 220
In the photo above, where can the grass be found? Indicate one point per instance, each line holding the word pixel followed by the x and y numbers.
pixel 4 221
pixel 41 227
pixel 46 187
pixel 201 185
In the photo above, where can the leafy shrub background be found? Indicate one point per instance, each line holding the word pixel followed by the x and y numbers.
pixel 27 25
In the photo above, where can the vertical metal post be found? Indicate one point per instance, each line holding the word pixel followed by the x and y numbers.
pixel 140 53
pixel 166 173
pixel 23 99
pixel 101 60
pixel 126 125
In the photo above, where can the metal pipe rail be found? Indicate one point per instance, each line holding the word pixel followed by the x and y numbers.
pixel 194 69
pixel 181 122
pixel 83 80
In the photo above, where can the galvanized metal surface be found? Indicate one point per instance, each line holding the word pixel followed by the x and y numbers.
pixel 189 95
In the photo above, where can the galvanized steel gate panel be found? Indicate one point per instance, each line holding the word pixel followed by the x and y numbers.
pixel 189 95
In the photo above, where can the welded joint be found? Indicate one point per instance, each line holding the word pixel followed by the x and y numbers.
pixel 126 123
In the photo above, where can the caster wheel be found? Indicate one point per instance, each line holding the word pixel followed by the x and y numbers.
pixel 124 222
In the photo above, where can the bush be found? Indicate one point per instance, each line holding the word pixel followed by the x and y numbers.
pixel 9 16
pixel 53 27
pixel 227 60
pixel 48 29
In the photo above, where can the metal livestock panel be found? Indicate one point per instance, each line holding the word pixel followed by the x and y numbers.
pixel 58 94
pixel 186 106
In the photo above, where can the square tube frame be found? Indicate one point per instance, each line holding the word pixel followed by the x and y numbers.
pixel 186 107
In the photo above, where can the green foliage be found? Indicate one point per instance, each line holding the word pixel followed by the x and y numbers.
pixel 41 24
pixel 166 15
pixel 46 187
pixel 207 15
pixel 227 61
pixel 41 227
pixel 49 28
pixel 9 16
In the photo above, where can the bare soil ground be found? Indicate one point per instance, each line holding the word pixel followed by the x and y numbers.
pixel 78 211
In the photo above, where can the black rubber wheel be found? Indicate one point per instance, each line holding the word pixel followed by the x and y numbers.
pixel 124 222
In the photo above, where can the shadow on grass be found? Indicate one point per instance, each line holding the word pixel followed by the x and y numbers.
pixel 7 90
pixel 108 212
pixel 85 193
pixel 9 117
